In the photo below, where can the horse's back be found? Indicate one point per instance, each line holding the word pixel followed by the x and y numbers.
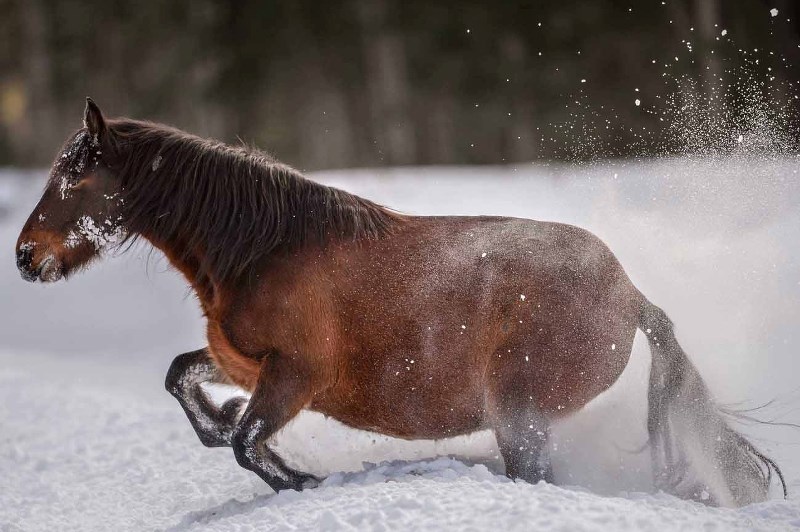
pixel 502 256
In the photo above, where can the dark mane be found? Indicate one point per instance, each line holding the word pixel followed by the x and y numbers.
pixel 235 204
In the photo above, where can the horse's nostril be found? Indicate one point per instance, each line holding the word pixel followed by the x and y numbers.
pixel 24 257
pixel 25 261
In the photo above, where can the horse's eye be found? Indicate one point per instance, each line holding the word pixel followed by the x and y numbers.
pixel 79 184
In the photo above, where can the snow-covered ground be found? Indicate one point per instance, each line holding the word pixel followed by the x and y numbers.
pixel 90 441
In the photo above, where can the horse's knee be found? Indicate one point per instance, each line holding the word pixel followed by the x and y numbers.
pixel 176 370
pixel 175 381
pixel 244 442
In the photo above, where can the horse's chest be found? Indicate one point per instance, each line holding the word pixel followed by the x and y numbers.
pixel 269 325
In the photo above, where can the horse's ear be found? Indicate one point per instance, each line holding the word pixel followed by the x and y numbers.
pixel 93 120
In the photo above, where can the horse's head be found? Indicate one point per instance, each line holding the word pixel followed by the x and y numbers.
pixel 80 212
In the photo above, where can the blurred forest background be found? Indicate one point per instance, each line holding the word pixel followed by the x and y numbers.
pixel 390 82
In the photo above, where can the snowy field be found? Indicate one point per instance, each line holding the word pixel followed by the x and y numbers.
pixel 90 441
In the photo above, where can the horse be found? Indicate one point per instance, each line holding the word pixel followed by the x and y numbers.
pixel 411 326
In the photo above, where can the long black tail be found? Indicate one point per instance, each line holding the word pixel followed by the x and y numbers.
pixel 695 453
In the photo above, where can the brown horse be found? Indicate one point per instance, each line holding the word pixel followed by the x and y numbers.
pixel 416 327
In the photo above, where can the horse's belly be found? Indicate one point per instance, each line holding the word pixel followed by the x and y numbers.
pixel 404 407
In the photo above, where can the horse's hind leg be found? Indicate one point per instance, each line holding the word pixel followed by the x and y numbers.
pixel 522 434
pixel 213 425
pixel 284 387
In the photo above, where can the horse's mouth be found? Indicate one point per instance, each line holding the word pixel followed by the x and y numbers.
pixel 49 271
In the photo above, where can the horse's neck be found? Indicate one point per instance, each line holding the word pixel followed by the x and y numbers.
pixel 190 264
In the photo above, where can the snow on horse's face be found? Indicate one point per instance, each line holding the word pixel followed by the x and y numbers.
pixel 79 214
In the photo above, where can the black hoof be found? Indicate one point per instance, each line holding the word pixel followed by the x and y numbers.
pixel 232 410
pixel 310 482
pixel 214 440
pixel 298 482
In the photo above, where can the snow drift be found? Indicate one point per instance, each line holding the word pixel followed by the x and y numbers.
pixel 91 442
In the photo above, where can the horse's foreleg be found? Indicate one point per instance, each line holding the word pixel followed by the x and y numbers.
pixel 213 425
pixel 284 387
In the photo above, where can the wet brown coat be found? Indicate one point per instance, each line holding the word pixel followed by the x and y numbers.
pixel 418 333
